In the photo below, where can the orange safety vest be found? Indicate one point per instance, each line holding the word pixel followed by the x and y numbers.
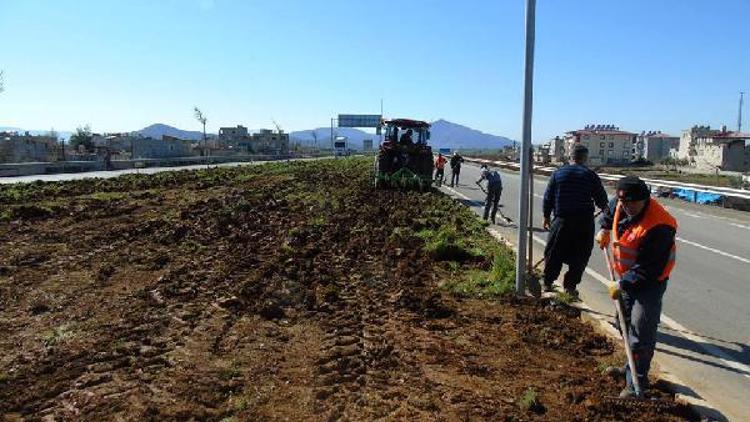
pixel 626 247
pixel 440 163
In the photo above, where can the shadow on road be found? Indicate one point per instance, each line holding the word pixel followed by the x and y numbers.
pixel 700 348
pixel 677 341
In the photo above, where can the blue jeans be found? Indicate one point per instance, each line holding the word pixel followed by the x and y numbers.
pixel 642 308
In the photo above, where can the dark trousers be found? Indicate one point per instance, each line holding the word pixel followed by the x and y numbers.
pixel 642 308
pixel 440 175
pixel 570 242
pixel 493 199
pixel 455 171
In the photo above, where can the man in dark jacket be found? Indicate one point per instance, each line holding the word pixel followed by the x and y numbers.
pixel 644 256
pixel 571 194
pixel 494 190
pixel 456 161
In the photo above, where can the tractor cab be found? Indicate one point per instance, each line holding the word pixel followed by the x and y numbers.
pixel 404 131
pixel 404 159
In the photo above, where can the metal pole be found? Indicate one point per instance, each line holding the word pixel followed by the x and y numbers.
pixel 332 135
pixel 523 203
pixel 739 114
pixel 530 262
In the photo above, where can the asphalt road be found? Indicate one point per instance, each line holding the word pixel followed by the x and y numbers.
pixel 705 330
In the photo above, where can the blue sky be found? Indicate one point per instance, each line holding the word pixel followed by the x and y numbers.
pixel 121 65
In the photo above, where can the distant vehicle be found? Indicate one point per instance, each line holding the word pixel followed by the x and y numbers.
pixel 445 151
pixel 404 159
pixel 341 146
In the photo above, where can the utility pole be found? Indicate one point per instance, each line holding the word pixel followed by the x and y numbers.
pixel 739 114
pixel 523 200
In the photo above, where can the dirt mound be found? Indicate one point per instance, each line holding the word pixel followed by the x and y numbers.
pixel 284 291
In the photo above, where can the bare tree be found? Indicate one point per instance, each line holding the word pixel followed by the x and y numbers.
pixel 199 116
pixel 315 138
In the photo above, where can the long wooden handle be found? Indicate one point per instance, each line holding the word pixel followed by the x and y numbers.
pixel 624 330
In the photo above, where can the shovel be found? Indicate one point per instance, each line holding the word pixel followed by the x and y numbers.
pixel 624 330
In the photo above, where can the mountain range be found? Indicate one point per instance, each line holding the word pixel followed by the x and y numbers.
pixel 158 129
pixel 444 134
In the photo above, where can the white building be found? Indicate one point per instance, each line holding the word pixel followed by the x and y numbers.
pixel 607 144
pixel 711 149
pixel 654 146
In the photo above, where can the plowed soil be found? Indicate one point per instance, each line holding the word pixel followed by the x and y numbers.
pixel 276 292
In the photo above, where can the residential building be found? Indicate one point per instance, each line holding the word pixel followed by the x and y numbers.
pixel 607 144
pixel 167 147
pixel 132 146
pixel 269 142
pixel 654 146
pixel 233 136
pixel 711 149
pixel 542 154
pixel 16 148
pixel 557 150
pixel 688 139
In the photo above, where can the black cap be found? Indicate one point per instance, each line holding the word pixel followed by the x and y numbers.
pixel 631 188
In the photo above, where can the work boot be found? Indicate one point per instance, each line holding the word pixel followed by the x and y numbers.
pixel 615 372
pixel 628 393
pixel 574 294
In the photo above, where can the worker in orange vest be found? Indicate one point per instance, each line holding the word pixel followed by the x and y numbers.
pixel 440 168
pixel 644 256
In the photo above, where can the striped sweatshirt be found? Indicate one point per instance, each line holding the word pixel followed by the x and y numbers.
pixel 572 191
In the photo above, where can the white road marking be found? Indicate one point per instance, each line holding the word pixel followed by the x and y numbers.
pixel 714 250
pixel 681 329
pixel 693 215
pixel 740 226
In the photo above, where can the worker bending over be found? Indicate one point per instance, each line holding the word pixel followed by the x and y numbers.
pixel 644 256
pixel 493 191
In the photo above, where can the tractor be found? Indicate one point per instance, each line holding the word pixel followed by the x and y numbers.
pixel 404 160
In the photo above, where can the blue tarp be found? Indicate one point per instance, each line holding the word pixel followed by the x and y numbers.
pixel 697 196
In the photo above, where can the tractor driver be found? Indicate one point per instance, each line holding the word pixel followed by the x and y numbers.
pixel 406 138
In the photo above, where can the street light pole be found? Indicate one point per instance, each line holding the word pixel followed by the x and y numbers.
pixel 523 200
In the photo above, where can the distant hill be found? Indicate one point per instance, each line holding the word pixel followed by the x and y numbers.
pixel 157 130
pixel 323 134
pixel 444 134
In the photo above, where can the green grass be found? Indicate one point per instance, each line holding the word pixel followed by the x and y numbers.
pixel 108 196
pixel 529 401
pixel 58 335
pixel 566 298
pixel 446 244
pixel 497 282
